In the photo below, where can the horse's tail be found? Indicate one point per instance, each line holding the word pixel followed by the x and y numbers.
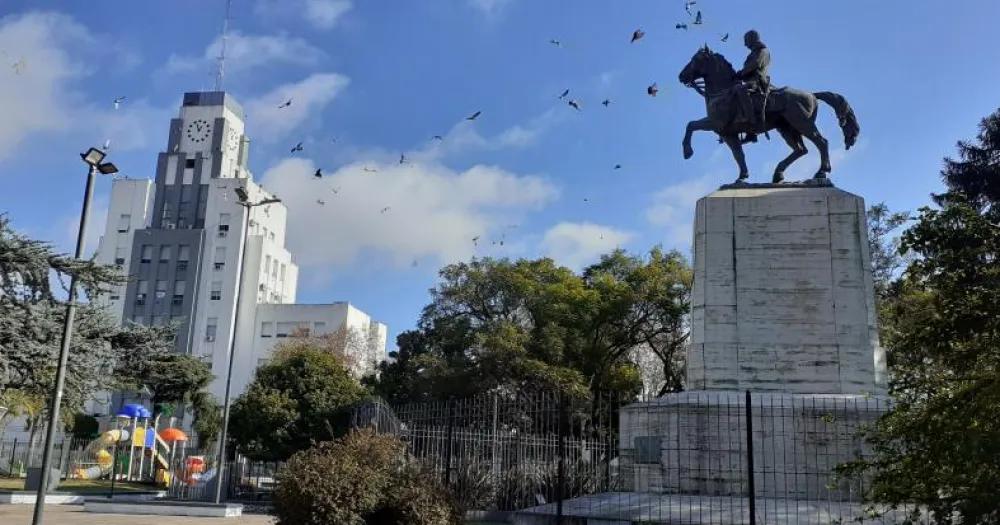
pixel 845 115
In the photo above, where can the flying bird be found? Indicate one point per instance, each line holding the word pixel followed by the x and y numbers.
pixel 652 90
pixel 383 210
pixel 637 34
pixel 413 264
pixel 725 37
pixel 285 104
pixel 437 137
pixel 321 202
pixel 318 174
pixel 555 42
pixel 574 104
pixel 475 241
pixel 681 26
pixel 118 101
pixel 697 19
pixel 618 166
pixel 402 158
pixel 107 145
pixel 19 66
pixel 369 170
pixel 298 147
pixel 474 116
pixel 336 190
pixel 563 94
pixel 606 102
pixel 688 4
pixel 585 199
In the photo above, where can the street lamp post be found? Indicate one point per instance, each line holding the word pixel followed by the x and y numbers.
pixel 221 453
pixel 95 159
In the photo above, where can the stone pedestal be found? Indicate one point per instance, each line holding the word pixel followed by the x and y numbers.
pixel 783 307
pixel 782 298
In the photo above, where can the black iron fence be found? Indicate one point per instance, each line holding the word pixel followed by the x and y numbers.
pixel 694 457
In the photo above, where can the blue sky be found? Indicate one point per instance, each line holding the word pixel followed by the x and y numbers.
pixel 383 77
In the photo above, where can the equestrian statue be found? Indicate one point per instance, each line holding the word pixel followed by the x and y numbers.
pixel 744 102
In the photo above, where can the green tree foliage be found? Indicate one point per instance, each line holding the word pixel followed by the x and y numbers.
pixel 500 325
pixel 103 355
pixel 362 478
pixel 940 445
pixel 884 247
pixel 301 397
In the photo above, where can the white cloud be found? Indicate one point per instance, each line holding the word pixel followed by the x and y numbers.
pixel 464 137
pixel 40 96
pixel 489 7
pixel 321 14
pixel 673 207
pixel 245 52
pixel 309 96
pixel 577 244
pixel 433 211
pixel 324 14
pixel 35 96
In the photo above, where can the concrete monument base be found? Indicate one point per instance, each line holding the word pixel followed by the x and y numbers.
pixel 696 443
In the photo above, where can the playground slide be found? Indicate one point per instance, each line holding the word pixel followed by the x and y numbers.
pixel 100 448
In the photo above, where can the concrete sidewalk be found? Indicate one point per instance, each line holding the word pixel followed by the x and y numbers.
pixel 74 515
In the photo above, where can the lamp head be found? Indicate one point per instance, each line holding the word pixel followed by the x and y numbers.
pixel 241 194
pixel 93 156
pixel 107 168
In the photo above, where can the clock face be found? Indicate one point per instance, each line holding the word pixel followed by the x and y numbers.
pixel 233 141
pixel 199 130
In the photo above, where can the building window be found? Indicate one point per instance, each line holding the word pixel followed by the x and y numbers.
pixel 223 224
pixel 215 293
pixel 123 222
pixel 319 327
pixel 210 328
pixel 185 193
pixel 179 292
pixel 267 264
pixel 164 254
pixel 140 296
pixel 120 255
pixel 147 253
pixel 189 164
pixel 183 256
pixel 270 236
pixel 161 290
pixel 114 297
pixel 265 329
pixel 285 329
pixel 282 278
pixel 220 257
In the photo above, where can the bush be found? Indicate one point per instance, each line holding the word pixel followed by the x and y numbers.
pixel 360 479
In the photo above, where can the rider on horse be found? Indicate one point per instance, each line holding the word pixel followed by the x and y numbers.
pixel 755 79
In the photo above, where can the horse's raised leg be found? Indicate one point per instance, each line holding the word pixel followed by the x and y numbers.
pixel 695 125
pixel 794 140
pixel 824 151
pixel 733 141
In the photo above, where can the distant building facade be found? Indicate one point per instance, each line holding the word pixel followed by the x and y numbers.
pixel 179 239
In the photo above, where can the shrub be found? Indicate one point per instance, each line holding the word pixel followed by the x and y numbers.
pixel 360 479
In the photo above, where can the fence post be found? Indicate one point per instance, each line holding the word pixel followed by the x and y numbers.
pixel 561 472
pixel 751 493
pixel 448 445
pixel 13 452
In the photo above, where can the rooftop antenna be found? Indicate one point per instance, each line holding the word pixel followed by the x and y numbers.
pixel 221 71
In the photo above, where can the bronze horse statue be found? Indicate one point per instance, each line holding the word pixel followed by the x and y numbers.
pixel 791 111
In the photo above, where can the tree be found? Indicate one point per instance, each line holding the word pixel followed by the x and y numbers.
pixel 301 397
pixel 103 355
pixel 887 261
pixel 509 326
pixel 939 446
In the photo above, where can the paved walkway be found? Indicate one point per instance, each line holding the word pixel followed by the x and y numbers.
pixel 74 515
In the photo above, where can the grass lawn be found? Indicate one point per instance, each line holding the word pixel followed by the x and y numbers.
pixel 82 485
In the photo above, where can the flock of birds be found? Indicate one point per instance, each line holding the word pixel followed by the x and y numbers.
pixel 695 19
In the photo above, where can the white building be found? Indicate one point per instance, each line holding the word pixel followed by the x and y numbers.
pixel 180 239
